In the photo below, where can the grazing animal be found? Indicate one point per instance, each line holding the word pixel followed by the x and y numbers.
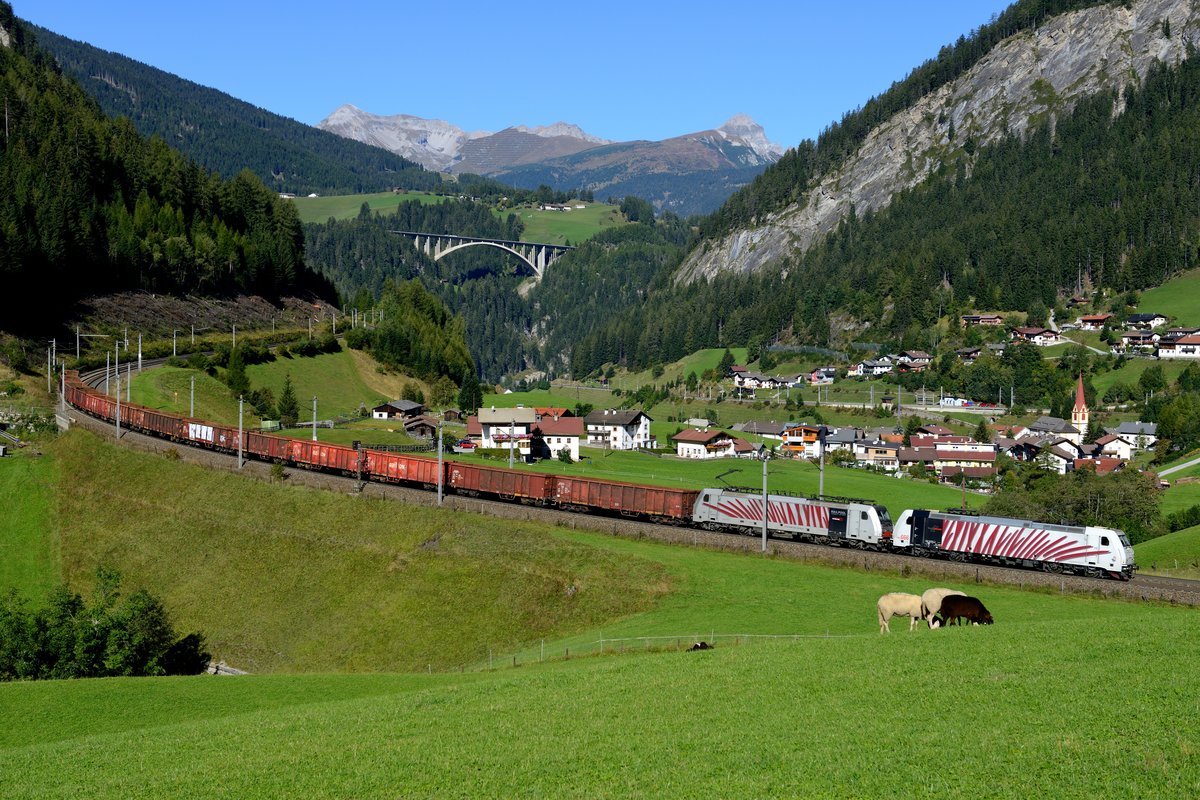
pixel 931 601
pixel 898 604
pixel 701 646
pixel 960 607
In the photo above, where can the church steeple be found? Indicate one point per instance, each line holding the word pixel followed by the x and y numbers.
pixel 1079 414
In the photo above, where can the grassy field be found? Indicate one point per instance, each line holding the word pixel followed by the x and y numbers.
pixel 1133 369
pixel 562 227
pixel 1176 554
pixel 1178 298
pixel 320 209
pixel 29 559
pixel 335 379
pixel 169 389
pixel 813 712
pixel 289 579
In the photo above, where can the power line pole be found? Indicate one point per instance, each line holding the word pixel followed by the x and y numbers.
pixel 192 400
pixel 118 376
pixel 439 435
pixel 241 461
pixel 139 353
pixel 512 427
pixel 314 418
pixel 764 500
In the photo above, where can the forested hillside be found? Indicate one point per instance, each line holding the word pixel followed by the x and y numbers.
pixel 786 181
pixel 88 205
pixel 1110 200
pixel 227 135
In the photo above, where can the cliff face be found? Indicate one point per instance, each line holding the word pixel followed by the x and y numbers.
pixel 1028 78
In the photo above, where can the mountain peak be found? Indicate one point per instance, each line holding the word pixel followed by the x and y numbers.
pixel 561 128
pixel 742 126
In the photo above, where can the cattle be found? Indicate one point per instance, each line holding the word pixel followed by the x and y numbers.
pixel 931 601
pixel 960 607
pixel 898 604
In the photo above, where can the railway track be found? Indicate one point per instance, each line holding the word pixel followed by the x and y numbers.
pixel 1140 588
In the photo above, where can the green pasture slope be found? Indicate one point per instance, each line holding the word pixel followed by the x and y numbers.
pixel 1064 697
pixel 562 227
pixel 1178 298
pixel 29 561
pixel 346 206
pixel 1176 554
pixel 291 579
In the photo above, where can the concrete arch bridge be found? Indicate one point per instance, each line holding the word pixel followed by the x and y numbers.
pixel 536 255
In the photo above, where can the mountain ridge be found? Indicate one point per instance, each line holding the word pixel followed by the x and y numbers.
pixel 1033 75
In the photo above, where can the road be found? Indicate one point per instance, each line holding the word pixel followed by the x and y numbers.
pixel 1178 467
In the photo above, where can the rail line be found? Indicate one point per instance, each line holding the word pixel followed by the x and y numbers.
pixel 1140 588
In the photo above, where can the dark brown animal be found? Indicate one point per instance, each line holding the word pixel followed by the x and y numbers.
pixel 960 607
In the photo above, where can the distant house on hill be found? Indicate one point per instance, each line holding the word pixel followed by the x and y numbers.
pixel 397 409
pixel 982 319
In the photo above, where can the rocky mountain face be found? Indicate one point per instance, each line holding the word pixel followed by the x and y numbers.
pixel 688 174
pixel 1028 78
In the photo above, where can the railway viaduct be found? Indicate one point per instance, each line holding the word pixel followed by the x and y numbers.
pixel 536 255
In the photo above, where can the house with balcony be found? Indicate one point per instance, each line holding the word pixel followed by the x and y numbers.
pixel 619 429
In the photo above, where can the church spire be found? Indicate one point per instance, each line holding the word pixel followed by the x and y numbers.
pixel 1079 414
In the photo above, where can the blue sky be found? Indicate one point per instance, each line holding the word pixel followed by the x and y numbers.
pixel 621 70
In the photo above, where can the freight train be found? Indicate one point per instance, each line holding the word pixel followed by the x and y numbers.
pixel 845 522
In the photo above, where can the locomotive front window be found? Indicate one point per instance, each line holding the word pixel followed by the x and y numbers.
pixel 884 517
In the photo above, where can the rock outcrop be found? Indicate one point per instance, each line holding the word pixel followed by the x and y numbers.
pixel 1030 77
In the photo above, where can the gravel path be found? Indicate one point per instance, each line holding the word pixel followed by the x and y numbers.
pixel 1141 588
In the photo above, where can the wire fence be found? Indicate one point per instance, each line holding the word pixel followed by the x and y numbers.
pixel 633 644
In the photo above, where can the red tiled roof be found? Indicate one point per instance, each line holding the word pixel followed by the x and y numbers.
pixel 563 426
pixel 552 412
pixel 1103 466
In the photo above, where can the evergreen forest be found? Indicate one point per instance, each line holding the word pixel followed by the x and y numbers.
pixel 226 135
pixel 88 205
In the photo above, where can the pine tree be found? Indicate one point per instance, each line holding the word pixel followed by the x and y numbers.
pixel 289 408
pixel 982 432
pixel 235 374
pixel 470 396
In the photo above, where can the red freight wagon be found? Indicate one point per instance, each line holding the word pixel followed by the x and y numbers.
pixel 264 445
pixel 161 422
pixel 625 498
pixel 205 433
pixel 474 478
pixel 319 455
pixel 400 468
pixel 100 405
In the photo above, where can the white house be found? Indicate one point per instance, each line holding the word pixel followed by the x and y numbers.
pixel 1146 321
pixel 871 367
pixel 822 376
pixel 553 434
pixel 1142 435
pixel 507 427
pixel 1114 446
pixel 1042 337
pixel 704 443
pixel 1183 347
pixel 619 430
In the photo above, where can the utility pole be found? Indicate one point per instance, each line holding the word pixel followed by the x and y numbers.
pixel 139 353
pixel 310 329
pixel 173 353
pixel 193 334
pixel 49 370
pixel 118 420
pixel 128 382
pixel 439 435
pixel 192 401
pixel 821 434
pixel 107 367
pixel 512 427
pixel 240 406
pixel 117 368
pixel 764 499
pixel 314 418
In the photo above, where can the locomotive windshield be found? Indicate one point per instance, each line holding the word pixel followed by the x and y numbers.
pixel 885 519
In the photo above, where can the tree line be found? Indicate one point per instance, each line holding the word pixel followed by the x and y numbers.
pixel 226 135
pixel 107 635
pixel 87 205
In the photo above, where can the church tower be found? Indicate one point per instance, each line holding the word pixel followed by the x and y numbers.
pixel 1079 414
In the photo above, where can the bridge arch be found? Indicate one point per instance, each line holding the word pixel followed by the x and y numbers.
pixel 441 253
pixel 536 255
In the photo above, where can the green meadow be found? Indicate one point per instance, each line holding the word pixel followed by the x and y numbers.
pixel 1176 554
pixel 320 209
pixel 355 616
pixel 565 227
pixel 1178 298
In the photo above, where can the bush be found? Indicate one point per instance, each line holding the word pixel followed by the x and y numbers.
pixel 564 456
